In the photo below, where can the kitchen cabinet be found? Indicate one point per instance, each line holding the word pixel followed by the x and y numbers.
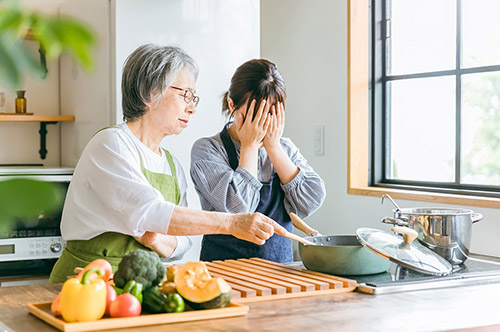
pixel 44 121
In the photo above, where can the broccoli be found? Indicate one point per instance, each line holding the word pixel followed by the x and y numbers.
pixel 143 266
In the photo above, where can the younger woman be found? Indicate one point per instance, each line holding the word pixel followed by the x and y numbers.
pixel 250 167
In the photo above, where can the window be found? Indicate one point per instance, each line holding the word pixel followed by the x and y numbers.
pixel 435 96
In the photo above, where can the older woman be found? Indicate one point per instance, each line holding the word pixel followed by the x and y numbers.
pixel 127 191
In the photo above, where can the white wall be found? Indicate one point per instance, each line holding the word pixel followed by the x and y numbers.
pixel 308 42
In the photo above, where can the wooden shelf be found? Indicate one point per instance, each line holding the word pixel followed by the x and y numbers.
pixel 12 117
pixel 44 121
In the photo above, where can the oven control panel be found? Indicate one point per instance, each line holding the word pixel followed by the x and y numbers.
pixel 16 249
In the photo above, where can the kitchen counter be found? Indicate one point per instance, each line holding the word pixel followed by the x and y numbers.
pixel 432 310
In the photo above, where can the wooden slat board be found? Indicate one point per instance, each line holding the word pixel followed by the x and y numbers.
pixel 258 279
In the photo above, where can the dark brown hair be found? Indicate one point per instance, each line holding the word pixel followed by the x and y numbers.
pixel 255 79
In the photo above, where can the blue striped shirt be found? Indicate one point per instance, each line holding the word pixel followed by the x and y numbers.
pixel 223 189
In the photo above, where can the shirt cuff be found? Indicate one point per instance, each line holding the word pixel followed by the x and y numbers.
pixel 249 177
pixel 184 243
pixel 296 181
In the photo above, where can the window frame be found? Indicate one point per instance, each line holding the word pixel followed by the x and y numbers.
pixel 381 119
pixel 360 161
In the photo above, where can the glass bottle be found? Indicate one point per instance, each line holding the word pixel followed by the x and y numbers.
pixel 20 102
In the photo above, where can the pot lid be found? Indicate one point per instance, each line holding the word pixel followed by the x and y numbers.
pixel 402 251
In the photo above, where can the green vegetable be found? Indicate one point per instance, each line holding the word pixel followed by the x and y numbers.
pixel 119 291
pixel 128 286
pixel 132 287
pixel 137 291
pixel 174 303
pixel 153 300
pixel 145 267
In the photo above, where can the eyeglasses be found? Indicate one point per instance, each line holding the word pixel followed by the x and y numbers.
pixel 188 95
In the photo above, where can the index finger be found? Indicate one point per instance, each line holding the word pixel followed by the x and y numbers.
pixel 278 229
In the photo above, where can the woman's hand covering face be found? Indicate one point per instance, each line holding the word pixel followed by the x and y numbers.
pixel 276 127
pixel 252 131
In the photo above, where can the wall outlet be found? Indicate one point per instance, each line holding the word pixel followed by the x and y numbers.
pixel 319 140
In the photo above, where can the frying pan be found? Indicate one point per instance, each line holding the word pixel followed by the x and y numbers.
pixel 337 254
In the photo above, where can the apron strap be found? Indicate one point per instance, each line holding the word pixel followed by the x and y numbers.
pixel 229 146
pixel 108 127
pixel 170 163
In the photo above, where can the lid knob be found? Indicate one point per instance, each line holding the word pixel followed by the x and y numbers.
pixel 409 235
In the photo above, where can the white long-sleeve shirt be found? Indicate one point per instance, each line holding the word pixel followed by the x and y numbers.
pixel 109 192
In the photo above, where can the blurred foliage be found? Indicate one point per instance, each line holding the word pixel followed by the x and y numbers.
pixel 25 198
pixel 483 161
pixel 55 34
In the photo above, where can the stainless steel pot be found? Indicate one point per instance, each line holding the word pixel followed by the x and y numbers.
pixel 446 231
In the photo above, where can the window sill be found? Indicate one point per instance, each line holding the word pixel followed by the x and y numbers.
pixel 487 202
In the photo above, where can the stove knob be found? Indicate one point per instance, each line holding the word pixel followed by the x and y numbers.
pixel 55 247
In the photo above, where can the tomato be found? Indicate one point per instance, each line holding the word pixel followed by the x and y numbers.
pixel 125 305
pixel 110 297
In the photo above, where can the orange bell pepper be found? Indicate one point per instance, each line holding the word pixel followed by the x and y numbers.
pixel 55 307
pixel 83 300
pixel 100 263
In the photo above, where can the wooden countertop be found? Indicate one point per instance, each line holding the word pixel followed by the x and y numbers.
pixel 431 310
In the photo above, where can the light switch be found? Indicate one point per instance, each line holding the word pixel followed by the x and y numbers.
pixel 319 140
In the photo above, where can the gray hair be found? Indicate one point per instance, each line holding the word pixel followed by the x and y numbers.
pixel 147 74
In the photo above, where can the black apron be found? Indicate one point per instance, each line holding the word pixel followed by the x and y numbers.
pixel 277 248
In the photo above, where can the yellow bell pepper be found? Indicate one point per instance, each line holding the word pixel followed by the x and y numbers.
pixel 83 300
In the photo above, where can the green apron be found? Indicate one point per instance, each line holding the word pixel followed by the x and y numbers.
pixel 110 245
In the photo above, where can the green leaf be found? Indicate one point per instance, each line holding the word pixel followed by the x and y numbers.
pixel 16 59
pixel 46 31
pixel 56 35
pixel 9 70
pixel 77 39
pixel 25 198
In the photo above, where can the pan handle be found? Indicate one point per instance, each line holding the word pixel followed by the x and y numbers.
pixel 476 217
pixel 394 221
pixel 301 225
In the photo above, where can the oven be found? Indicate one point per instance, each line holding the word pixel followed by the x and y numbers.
pixel 31 246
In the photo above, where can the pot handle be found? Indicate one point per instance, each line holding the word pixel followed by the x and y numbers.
pixel 394 221
pixel 476 217
pixel 408 234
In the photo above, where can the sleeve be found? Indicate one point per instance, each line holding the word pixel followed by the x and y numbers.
pixel 184 243
pixel 116 194
pixel 226 190
pixel 306 192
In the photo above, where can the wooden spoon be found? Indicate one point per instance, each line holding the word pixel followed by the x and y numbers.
pixel 298 238
pixel 301 225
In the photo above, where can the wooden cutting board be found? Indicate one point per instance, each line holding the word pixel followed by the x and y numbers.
pixel 258 279
pixel 42 311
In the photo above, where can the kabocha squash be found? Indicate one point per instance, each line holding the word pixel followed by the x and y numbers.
pixel 199 289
